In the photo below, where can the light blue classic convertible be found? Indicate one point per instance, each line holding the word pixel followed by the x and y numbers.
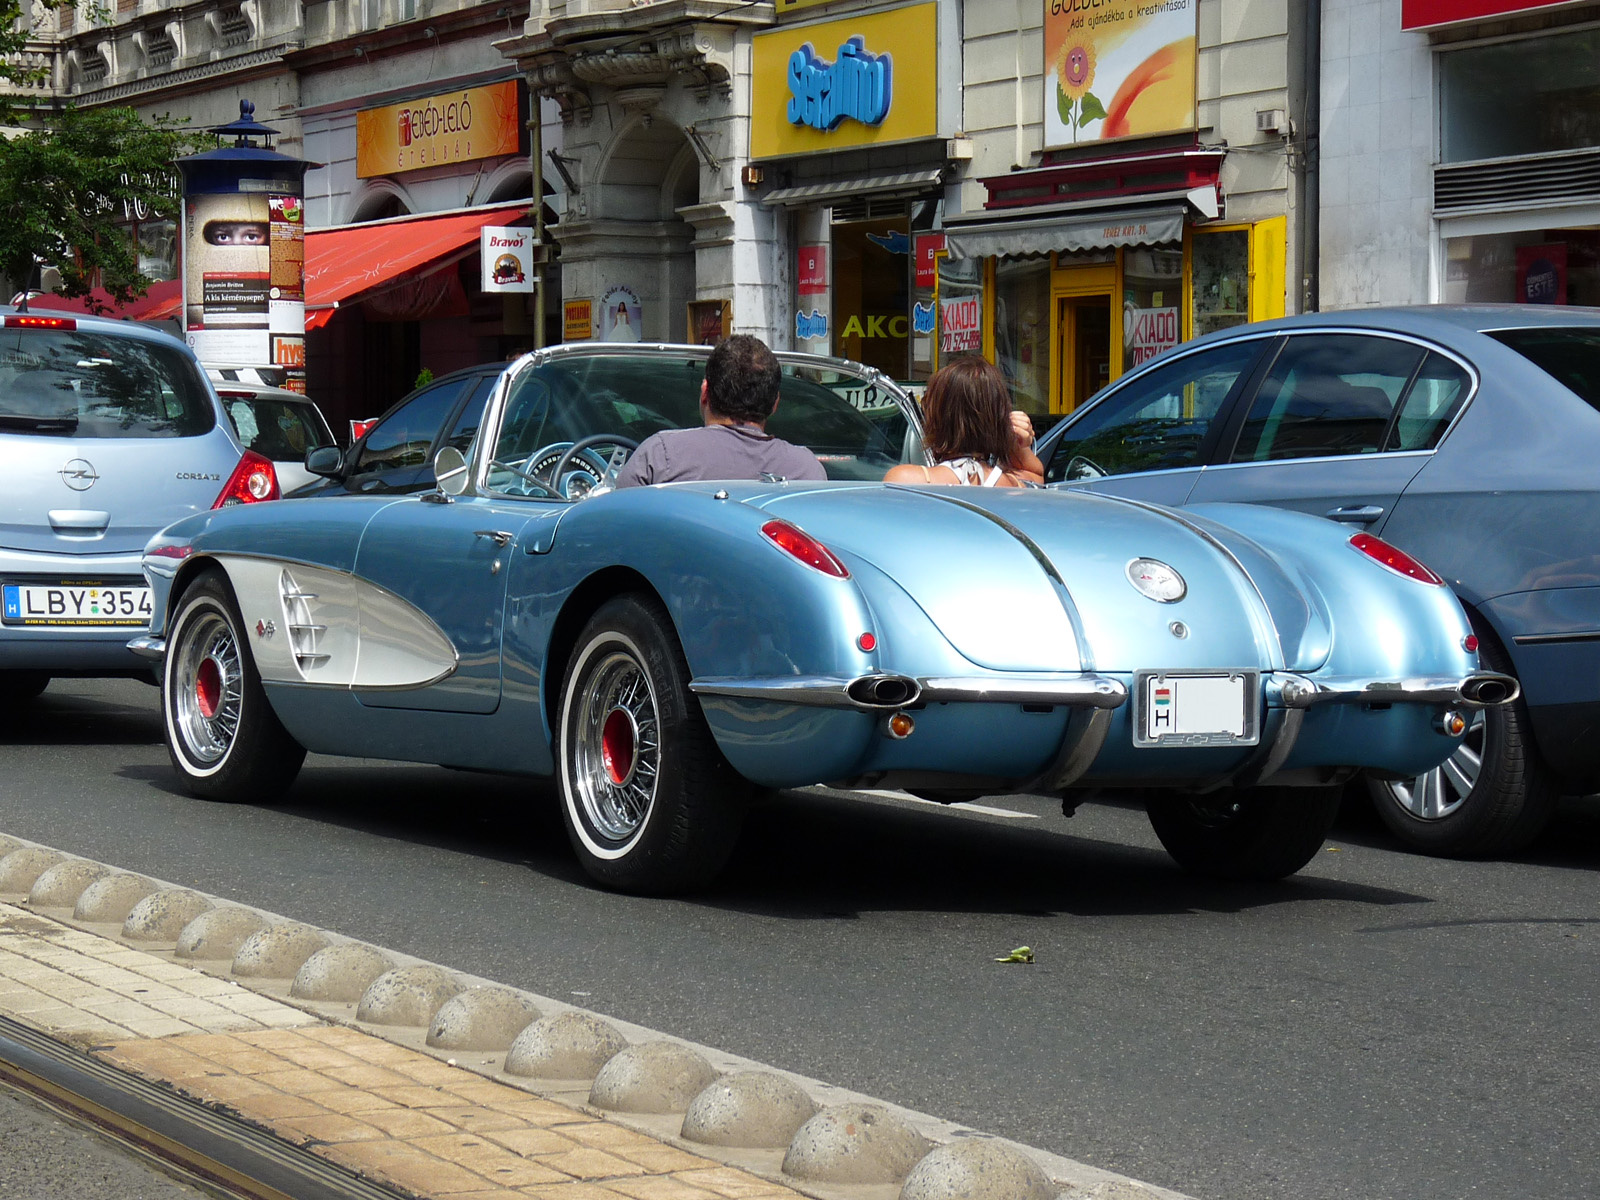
pixel 664 651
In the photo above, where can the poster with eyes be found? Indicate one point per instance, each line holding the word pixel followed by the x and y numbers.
pixel 244 280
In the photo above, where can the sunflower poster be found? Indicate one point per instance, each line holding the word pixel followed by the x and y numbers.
pixel 1118 68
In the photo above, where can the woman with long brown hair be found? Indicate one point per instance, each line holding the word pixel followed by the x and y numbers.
pixel 972 432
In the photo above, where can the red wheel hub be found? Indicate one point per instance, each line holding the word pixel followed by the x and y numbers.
pixel 208 688
pixel 617 746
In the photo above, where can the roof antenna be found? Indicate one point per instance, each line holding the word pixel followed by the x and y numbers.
pixel 27 284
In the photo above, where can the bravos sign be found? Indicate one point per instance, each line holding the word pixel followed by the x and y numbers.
pixel 506 255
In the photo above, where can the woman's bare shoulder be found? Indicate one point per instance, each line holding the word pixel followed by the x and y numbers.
pixel 907 473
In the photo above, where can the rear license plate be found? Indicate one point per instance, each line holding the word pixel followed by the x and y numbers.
pixel 1197 708
pixel 75 605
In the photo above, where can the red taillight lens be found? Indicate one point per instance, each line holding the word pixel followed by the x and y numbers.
pixel 170 550
pixel 252 480
pixel 796 542
pixel 1393 558
pixel 24 321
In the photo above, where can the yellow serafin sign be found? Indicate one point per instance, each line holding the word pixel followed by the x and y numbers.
pixel 868 80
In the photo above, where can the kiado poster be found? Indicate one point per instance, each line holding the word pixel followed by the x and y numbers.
pixel 1118 68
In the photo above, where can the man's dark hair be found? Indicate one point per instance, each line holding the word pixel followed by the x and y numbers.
pixel 742 378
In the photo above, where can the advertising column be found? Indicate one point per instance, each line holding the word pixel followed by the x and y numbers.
pixel 244 253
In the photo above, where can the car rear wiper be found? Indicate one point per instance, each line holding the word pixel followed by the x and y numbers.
pixel 58 424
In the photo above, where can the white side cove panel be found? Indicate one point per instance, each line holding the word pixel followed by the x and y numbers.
pixel 312 625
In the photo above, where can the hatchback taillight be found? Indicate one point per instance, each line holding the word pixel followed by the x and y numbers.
pixel 253 479
pixel 1394 558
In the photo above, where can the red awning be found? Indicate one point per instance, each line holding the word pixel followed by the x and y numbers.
pixel 343 263
pixel 163 302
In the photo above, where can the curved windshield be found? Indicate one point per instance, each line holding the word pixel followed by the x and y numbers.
pixel 856 428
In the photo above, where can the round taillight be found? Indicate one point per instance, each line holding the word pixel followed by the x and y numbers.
pixel 1394 558
pixel 1470 643
pixel 867 642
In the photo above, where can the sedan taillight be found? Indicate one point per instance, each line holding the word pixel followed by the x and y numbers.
pixel 253 479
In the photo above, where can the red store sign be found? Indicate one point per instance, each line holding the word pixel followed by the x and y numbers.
pixel 1421 14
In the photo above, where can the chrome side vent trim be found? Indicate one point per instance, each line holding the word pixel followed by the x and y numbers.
pixel 304 631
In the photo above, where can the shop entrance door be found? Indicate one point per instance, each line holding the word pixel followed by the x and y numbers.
pixel 1083 350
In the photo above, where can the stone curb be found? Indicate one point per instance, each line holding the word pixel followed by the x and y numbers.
pixel 807 1135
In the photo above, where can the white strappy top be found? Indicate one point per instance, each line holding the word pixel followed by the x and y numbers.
pixel 971 471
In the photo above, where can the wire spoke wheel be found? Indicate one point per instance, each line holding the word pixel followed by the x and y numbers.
pixel 617 751
pixel 209 689
pixel 649 802
pixel 222 735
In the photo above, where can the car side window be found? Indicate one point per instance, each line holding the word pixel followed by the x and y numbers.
pixel 471 416
pixel 1440 389
pixel 403 438
pixel 1328 394
pixel 1158 421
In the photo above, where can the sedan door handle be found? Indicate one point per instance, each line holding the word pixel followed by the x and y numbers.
pixel 498 536
pixel 1358 514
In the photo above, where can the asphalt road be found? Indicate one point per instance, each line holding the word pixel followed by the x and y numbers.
pixel 1382 1025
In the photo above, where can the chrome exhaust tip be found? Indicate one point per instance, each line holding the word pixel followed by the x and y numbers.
pixel 1488 690
pixel 884 691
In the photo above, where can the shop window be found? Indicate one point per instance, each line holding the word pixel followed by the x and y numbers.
pixel 872 293
pixel 1328 395
pixel 1159 421
pixel 1220 277
pixel 1531 96
pixel 1152 302
pixel 1539 266
pixel 1022 330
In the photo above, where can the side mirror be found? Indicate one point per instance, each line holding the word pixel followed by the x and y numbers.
pixel 327 461
pixel 450 471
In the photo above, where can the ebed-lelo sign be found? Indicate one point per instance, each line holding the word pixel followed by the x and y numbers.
pixel 459 126
pixel 831 85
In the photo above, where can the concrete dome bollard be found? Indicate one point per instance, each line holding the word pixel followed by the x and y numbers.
pixel 482 1018
pixel 62 884
pixel 162 917
pixel 339 974
pixel 407 996
pixel 977 1169
pixel 569 1045
pixel 654 1077
pixel 854 1143
pixel 21 869
pixel 756 1110
pixel 277 951
pixel 217 934
pixel 112 897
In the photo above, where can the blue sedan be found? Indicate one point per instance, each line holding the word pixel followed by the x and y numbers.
pixel 1467 436
pixel 665 651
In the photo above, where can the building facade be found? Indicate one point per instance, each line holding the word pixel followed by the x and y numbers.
pixel 1461 152
pixel 1066 188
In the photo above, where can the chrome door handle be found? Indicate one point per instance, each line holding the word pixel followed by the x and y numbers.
pixel 498 536
pixel 1356 513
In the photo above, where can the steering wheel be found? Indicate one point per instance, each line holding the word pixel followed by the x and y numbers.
pixel 584 446
pixel 1080 467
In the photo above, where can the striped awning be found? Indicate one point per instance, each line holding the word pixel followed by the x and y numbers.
pixel 909 183
pixel 1013 235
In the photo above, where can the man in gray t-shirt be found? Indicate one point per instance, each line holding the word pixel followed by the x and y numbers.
pixel 739 394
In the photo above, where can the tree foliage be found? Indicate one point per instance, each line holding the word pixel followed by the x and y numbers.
pixel 67 182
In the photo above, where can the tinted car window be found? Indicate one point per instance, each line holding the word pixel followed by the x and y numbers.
pixel 1325 395
pixel 466 424
pixel 1435 397
pixel 1572 356
pixel 86 384
pixel 1158 421
pixel 403 438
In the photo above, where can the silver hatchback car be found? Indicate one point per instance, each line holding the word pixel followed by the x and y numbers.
pixel 109 432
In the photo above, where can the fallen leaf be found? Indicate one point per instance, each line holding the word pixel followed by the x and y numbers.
pixel 1022 954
